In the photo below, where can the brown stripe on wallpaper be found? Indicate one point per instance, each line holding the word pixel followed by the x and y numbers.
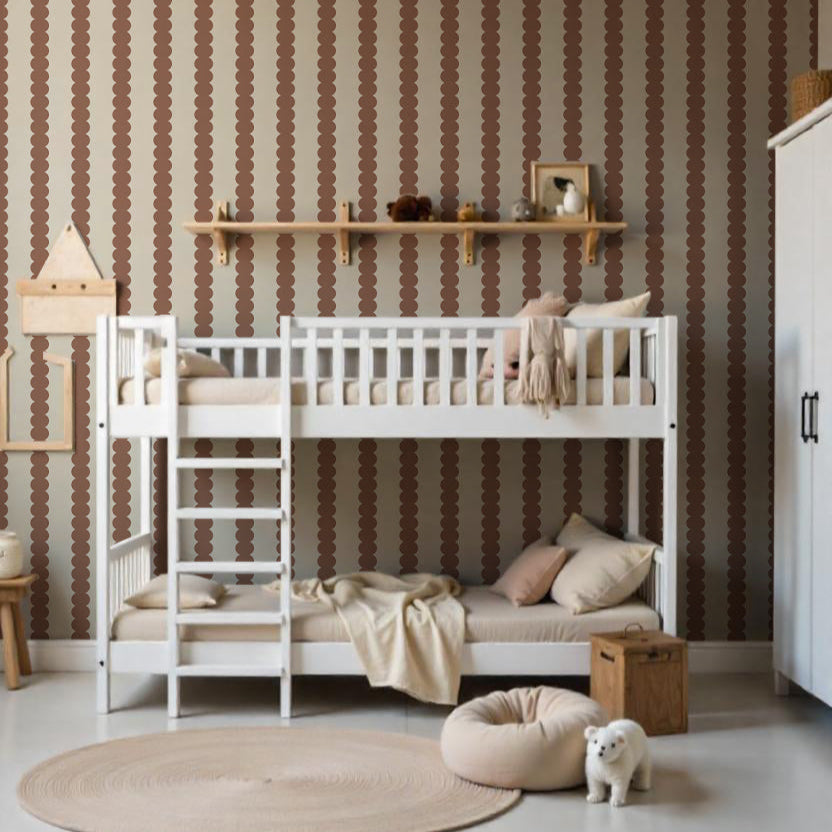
pixel 244 254
pixel 81 560
pixel 449 506
pixel 367 505
pixel 39 248
pixel 654 230
pixel 572 152
pixel 122 204
pixel 490 254
pixel 4 233
pixel 408 266
pixel 814 24
pixel 736 393
pixel 326 179
pixel 693 403
pixel 531 80
pixel 285 154
pixel 203 306
pixel 449 152
pixel 286 109
pixel 203 147
pixel 613 208
pixel 777 78
pixel 285 200
pixel 162 239
pixel 531 265
pixel 325 130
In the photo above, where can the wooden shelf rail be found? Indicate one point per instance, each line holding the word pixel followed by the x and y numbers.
pixel 222 228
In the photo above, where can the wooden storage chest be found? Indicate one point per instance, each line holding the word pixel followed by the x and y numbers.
pixel 642 675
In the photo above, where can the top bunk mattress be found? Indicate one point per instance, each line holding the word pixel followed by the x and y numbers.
pixel 265 391
pixel 490 618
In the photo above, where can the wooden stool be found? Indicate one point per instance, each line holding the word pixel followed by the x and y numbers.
pixel 642 675
pixel 15 649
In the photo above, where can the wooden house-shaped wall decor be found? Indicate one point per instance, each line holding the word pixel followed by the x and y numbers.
pixel 68 294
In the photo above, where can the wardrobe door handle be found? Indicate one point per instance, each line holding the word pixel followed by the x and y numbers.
pixel 814 400
pixel 803 400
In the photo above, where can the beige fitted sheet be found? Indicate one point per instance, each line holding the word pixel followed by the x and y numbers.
pixel 490 618
pixel 255 391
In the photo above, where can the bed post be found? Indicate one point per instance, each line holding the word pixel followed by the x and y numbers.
pixel 286 521
pixel 170 398
pixel 102 511
pixel 669 567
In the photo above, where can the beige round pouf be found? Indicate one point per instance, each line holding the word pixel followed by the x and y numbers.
pixel 526 738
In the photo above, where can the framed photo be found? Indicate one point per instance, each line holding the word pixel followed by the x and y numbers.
pixel 551 181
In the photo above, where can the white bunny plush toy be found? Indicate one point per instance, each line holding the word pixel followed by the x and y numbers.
pixel 616 756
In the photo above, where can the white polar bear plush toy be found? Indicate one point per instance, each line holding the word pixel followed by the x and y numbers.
pixel 616 756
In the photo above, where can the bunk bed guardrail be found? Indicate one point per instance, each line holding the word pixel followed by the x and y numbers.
pixel 424 369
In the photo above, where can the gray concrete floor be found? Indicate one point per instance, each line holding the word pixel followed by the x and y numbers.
pixel 750 762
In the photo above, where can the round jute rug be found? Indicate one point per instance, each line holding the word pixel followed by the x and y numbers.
pixel 256 779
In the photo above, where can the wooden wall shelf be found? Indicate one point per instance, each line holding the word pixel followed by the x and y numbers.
pixel 222 228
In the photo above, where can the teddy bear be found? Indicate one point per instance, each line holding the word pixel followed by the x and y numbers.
pixel 466 212
pixel 409 208
pixel 616 756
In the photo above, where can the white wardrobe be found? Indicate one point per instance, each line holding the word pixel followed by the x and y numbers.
pixel 803 405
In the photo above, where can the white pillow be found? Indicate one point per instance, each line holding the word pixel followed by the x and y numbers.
pixel 194 593
pixel 626 308
pixel 191 365
pixel 602 570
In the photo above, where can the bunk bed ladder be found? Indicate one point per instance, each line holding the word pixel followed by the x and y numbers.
pixel 282 567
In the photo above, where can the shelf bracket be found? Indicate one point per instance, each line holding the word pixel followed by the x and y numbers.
pixel 468 247
pixel 591 239
pixel 221 238
pixel 590 247
pixel 467 238
pixel 344 235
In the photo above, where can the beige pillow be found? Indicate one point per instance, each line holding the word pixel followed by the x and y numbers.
pixel 191 364
pixel 626 308
pixel 194 592
pixel 601 571
pixel 546 305
pixel 530 576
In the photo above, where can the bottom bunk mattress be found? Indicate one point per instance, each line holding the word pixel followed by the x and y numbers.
pixel 490 618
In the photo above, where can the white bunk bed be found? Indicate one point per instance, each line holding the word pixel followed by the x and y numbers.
pixel 347 377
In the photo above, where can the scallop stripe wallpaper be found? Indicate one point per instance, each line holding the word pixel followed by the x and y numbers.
pixel 130 117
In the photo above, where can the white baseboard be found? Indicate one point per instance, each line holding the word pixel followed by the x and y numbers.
pixel 704 656
pixel 62 655
pixel 729 657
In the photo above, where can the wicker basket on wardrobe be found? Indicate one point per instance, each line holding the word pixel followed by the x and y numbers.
pixel 810 90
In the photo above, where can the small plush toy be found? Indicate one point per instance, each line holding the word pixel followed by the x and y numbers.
pixel 409 208
pixel 616 756
pixel 522 210
pixel 466 213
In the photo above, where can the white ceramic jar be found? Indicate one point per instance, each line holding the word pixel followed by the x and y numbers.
pixel 11 556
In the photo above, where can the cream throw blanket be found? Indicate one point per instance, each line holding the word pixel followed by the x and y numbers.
pixel 408 630
pixel 544 377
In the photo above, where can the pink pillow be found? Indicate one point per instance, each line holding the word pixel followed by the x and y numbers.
pixel 548 305
pixel 531 575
